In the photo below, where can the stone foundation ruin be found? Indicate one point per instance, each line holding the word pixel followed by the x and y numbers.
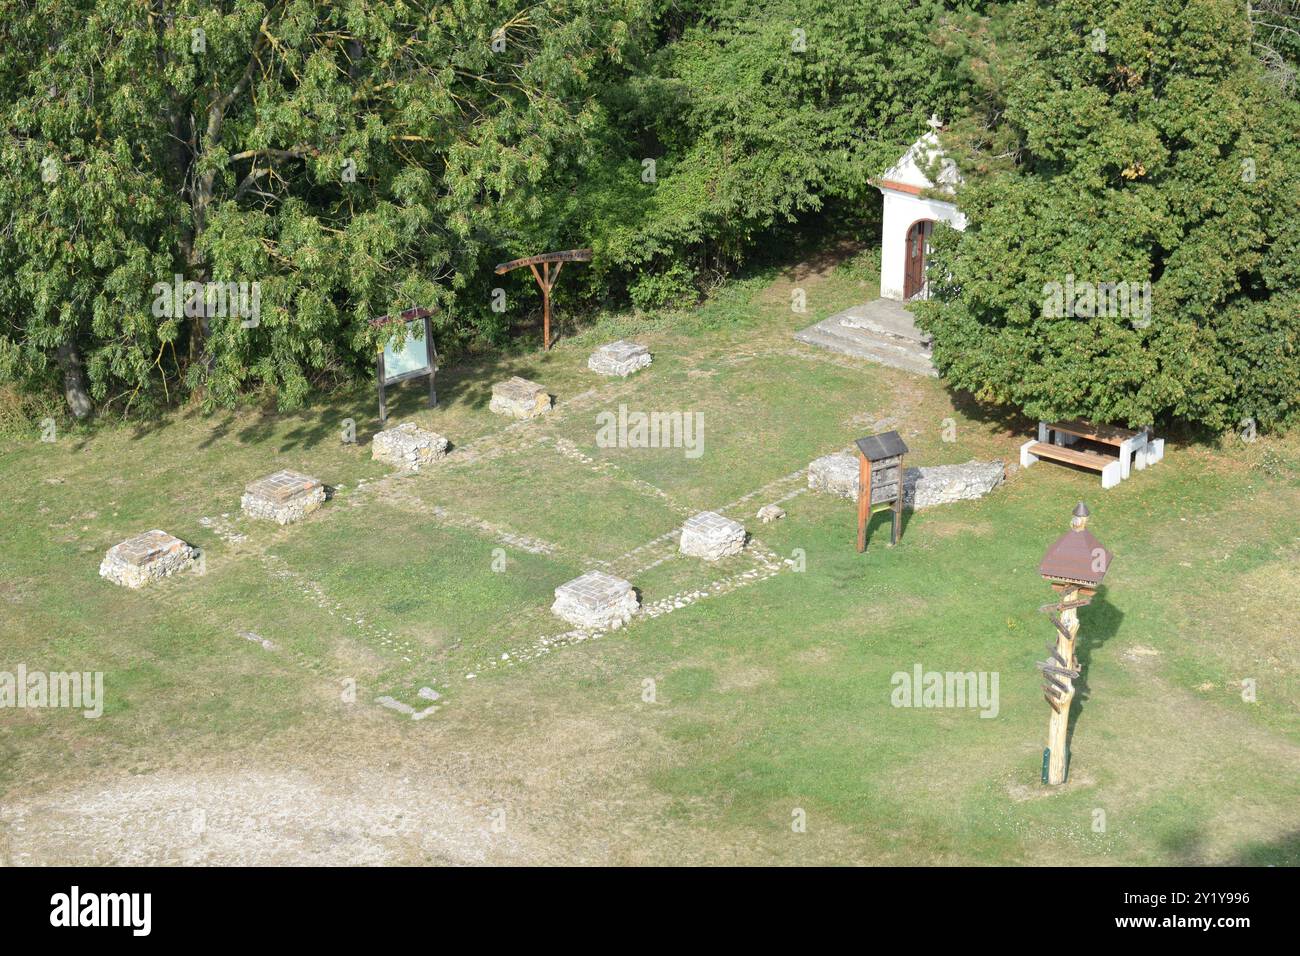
pixel 284 497
pixel 620 358
pixel 710 536
pixel 595 601
pixel 519 398
pixel 408 446
pixel 145 558
pixel 922 487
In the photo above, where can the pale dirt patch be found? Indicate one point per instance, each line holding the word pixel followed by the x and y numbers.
pixel 813 656
pixel 1020 792
pixel 954 529
pixel 257 818
pixel 744 679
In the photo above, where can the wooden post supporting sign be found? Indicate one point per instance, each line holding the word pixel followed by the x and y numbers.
pixel 411 357
pixel 546 278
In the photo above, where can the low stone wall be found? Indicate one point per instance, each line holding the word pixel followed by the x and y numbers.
pixel 835 475
pixel 595 601
pixel 942 484
pixel 519 398
pixel 408 446
pixel 620 358
pixel 284 497
pixel 710 536
pixel 145 558
pixel 923 487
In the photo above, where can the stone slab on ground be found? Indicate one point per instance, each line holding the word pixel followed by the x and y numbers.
pixel 710 536
pixel 884 317
pixel 145 558
pixel 881 331
pixel 408 446
pixel 519 398
pixel 835 474
pixel 932 485
pixel 620 358
pixel 769 513
pixel 595 600
pixel 923 487
pixel 284 497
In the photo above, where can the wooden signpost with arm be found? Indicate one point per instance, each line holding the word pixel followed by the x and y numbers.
pixel 546 278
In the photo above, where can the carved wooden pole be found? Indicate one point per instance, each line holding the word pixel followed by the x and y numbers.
pixel 1062 682
pixel 1075 565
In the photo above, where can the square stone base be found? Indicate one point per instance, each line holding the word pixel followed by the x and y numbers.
pixel 519 398
pixel 710 536
pixel 408 446
pixel 620 358
pixel 595 601
pixel 145 558
pixel 284 497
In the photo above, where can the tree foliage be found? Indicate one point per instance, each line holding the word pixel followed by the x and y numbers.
pixel 755 114
pixel 1133 142
pixel 358 157
pixel 351 158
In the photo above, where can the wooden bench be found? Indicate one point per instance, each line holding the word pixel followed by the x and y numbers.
pixel 1110 468
pixel 1131 445
pixel 1055 441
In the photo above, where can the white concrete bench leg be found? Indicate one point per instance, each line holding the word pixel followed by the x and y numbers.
pixel 1027 458
pixel 1128 449
pixel 1043 432
pixel 1111 475
pixel 1155 450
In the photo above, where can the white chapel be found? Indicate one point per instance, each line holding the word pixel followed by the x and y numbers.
pixel 909 217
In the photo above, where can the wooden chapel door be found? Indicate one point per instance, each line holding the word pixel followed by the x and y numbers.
pixel 918 247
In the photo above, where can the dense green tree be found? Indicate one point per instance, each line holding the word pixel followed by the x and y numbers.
pixel 350 157
pixel 358 157
pixel 755 113
pixel 1123 142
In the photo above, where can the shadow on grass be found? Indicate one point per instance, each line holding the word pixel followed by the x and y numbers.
pixel 1098 623
pixel 1284 851
pixel 879 527
pixel 1186 844
pixel 322 418
pixel 1015 422
pixel 1009 420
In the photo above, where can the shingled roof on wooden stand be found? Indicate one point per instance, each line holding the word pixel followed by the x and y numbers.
pixel 884 445
pixel 880 482
pixel 1076 557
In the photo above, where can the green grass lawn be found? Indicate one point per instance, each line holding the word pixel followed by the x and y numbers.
pixel 697 735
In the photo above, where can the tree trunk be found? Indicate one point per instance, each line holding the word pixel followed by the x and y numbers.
pixel 74 380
